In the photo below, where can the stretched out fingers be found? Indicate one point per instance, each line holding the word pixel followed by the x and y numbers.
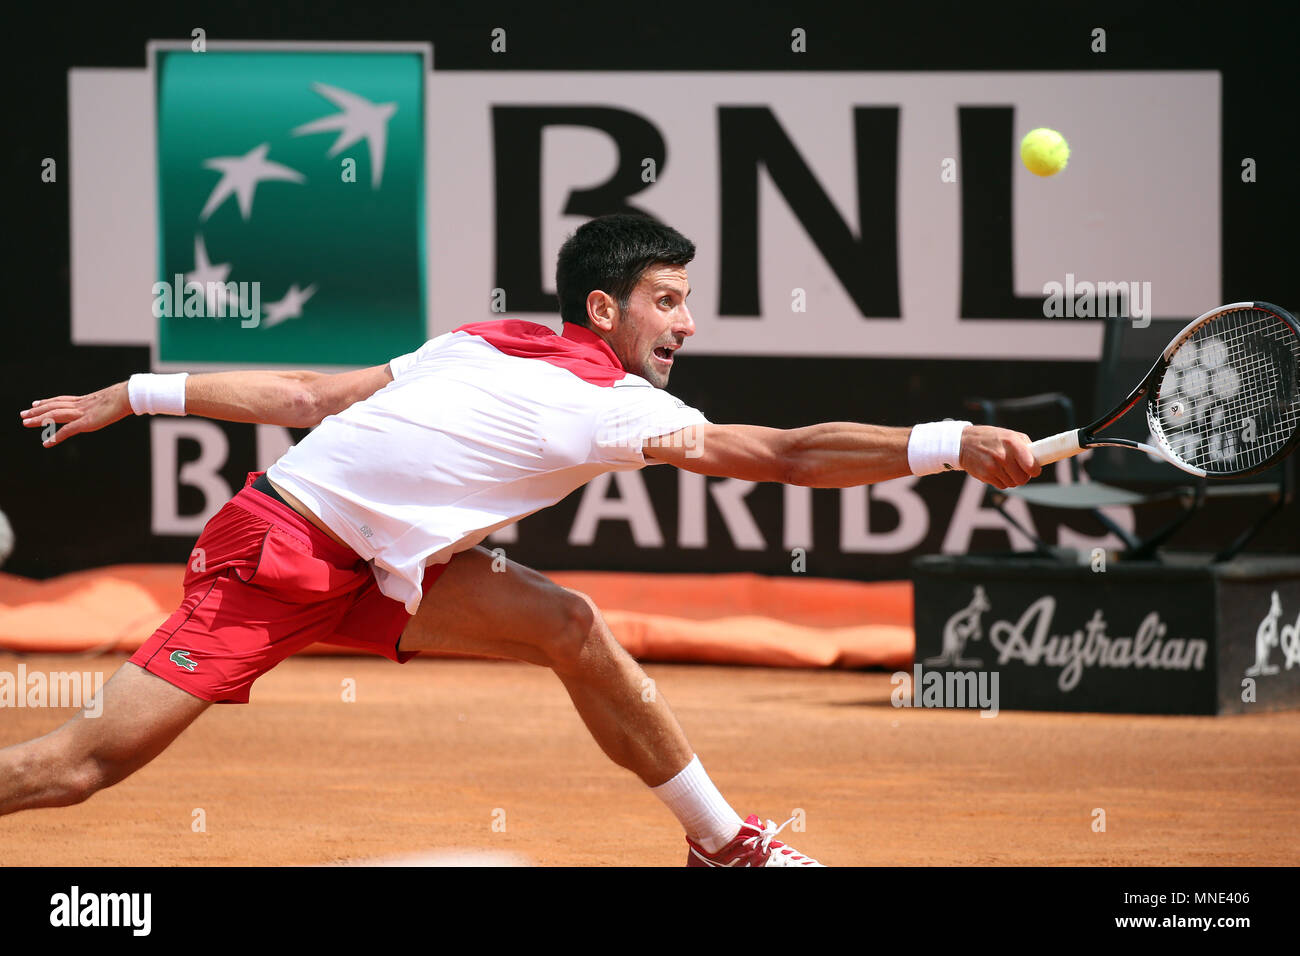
pixel 47 415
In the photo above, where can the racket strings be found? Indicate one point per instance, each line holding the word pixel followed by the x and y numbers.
pixel 1228 398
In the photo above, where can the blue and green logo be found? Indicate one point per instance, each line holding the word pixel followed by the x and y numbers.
pixel 290 206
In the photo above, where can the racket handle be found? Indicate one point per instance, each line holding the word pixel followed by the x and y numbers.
pixel 1063 445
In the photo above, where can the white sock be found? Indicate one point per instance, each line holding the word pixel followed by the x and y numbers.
pixel 705 816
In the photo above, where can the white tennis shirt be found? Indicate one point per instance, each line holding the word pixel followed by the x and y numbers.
pixel 479 427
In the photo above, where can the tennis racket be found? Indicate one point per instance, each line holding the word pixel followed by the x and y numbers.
pixel 1223 398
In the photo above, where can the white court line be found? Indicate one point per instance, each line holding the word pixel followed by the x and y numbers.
pixel 449 857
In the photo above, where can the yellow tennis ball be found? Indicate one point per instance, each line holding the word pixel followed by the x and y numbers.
pixel 1044 151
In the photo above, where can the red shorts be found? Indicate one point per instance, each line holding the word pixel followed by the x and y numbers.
pixel 269 583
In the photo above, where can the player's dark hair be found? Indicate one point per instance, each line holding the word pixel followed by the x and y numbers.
pixel 610 253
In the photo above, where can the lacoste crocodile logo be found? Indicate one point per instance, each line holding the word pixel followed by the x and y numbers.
pixel 180 660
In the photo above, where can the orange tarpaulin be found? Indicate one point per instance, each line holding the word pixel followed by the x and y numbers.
pixel 698 618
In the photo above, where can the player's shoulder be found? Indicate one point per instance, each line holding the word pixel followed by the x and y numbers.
pixel 400 365
pixel 506 329
pixel 632 387
pixel 630 380
pixel 447 343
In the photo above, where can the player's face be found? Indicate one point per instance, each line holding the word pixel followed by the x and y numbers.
pixel 647 335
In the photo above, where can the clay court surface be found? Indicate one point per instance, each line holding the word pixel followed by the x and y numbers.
pixel 431 752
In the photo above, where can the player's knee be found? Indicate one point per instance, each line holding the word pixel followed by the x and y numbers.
pixel 84 771
pixel 82 780
pixel 570 648
pixel 68 776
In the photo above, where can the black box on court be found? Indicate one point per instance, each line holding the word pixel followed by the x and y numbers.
pixel 1182 637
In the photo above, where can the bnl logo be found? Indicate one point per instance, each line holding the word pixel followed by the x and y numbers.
pixel 312 199
pixel 751 140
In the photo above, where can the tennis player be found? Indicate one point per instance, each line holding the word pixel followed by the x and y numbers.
pixel 366 533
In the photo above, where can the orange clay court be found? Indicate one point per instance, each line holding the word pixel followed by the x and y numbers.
pixel 477 762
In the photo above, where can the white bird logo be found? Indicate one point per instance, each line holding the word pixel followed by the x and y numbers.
pixel 360 119
pixel 290 307
pixel 211 277
pixel 240 176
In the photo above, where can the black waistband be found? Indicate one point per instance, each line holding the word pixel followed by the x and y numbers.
pixel 266 488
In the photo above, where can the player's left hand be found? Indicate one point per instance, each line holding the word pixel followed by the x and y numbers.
pixel 78 413
pixel 998 456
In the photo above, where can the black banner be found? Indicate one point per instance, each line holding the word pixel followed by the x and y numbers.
pixel 93 501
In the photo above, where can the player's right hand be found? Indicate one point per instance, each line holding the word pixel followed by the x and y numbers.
pixel 78 413
pixel 998 456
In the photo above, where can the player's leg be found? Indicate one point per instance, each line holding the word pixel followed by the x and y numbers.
pixel 484 605
pixel 140 715
pixel 518 613
pixel 269 585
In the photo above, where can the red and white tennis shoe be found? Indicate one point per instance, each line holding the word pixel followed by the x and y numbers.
pixel 753 846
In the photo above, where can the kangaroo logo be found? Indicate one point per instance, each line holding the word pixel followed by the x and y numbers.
pixel 1286 638
pixel 962 627
pixel 1266 637
pixel 180 660
pixel 1289 640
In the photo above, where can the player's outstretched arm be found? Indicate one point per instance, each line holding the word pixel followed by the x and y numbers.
pixel 294 399
pixel 836 454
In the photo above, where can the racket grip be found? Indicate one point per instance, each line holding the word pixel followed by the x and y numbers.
pixel 1063 445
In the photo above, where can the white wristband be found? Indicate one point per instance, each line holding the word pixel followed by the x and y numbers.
pixel 935 447
pixel 157 394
